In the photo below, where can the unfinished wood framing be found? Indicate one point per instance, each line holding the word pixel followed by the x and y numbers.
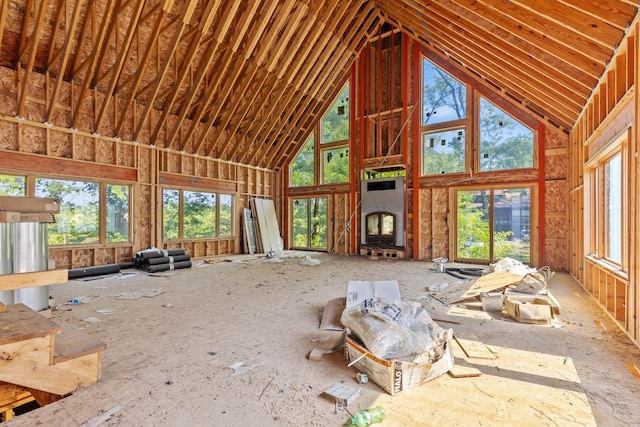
pixel 611 115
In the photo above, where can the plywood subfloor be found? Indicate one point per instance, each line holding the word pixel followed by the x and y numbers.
pixel 226 344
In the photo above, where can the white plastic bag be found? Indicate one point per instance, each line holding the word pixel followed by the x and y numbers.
pixel 393 330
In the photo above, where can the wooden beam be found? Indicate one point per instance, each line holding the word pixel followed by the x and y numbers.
pixel 176 180
pixel 367 19
pixel 56 26
pixel 23 89
pixel 34 163
pixel 143 63
pixel 99 46
pixel 299 77
pixel 283 39
pixel 66 49
pixel 310 43
pixel 203 66
pixel 258 30
pixel 186 14
pixel 120 61
pixel 187 62
pixel 9 282
pixel 270 68
pixel 3 18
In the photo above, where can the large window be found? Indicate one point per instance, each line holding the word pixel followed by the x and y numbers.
pixel 196 214
pixel 493 223
pixel 303 166
pixel 452 144
pixel 90 212
pixel 605 204
pixel 79 220
pixel 334 126
pixel 443 152
pixel 328 145
pixel 309 223
pixel 444 99
pixel 613 208
pixel 505 143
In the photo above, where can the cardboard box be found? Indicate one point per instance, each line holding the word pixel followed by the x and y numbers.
pixel 395 376
pixel 26 217
pixel 359 290
pixel 492 301
pixel 29 204
pixel 534 309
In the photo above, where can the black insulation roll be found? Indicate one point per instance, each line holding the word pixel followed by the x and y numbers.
pixel 129 264
pixel 97 270
pixel 164 267
pixel 157 253
pixel 167 260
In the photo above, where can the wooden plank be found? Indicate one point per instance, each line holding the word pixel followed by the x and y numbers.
pixel 197 182
pixel 10 282
pixel 34 163
pixel 19 323
pixel 459 371
pixel 31 369
pixel 487 283
pixel 474 348
pixel 73 343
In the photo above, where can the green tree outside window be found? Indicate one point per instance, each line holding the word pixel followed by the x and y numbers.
pixel 505 143
pixel 302 166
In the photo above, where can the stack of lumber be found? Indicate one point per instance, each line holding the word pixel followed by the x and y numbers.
pixel 155 260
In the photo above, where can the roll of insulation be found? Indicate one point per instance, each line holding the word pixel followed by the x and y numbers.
pixel 31 253
pixel 6 259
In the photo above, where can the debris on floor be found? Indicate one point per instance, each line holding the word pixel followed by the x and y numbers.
pixel 140 293
pixel 394 341
pixel 343 394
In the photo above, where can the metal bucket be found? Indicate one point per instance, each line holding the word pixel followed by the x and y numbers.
pixel 31 253
pixel 6 259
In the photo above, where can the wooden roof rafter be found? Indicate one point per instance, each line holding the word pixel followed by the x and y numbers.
pixel 306 56
pixel 221 33
pixel 258 30
pixel 246 19
pixel 276 158
pixel 98 48
pixel 323 49
pixel 66 53
pixel 279 25
pixel 185 18
pixel 120 62
pixel 315 99
pixel 187 63
pixel 299 76
pixel 57 26
pixel 32 47
pixel 489 63
pixel 279 83
pixel 165 7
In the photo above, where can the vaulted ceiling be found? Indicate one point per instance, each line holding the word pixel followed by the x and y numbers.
pixel 257 74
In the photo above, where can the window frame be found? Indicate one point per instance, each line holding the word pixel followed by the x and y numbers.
pixel 309 218
pixel 595 204
pixel 181 206
pixel 533 219
pixel 320 148
pixel 30 191
pixel 471 124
